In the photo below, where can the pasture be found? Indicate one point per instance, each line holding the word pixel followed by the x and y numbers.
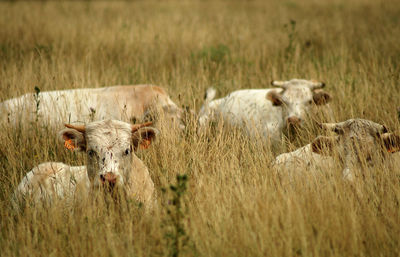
pixel 230 201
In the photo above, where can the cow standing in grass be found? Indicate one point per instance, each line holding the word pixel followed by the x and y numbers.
pixel 110 147
pixel 266 112
pixel 126 103
pixel 358 144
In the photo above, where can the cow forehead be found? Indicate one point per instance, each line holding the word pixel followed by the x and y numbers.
pixel 299 82
pixel 361 126
pixel 298 93
pixel 108 134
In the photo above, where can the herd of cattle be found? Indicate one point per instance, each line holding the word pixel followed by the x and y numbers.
pixel 99 122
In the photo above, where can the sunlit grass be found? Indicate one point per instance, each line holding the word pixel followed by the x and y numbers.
pixel 236 204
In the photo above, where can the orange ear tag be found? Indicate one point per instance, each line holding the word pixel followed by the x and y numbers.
pixel 392 150
pixel 69 144
pixel 145 144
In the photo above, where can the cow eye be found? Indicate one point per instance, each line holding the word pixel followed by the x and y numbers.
pixel 338 131
pixel 91 153
pixel 127 151
pixel 310 102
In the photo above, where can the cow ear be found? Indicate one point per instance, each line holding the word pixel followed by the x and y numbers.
pixel 73 139
pixel 142 138
pixel 321 97
pixel 324 145
pixel 275 98
pixel 391 142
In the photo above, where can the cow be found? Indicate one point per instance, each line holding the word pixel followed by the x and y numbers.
pixel 358 144
pixel 303 159
pixel 51 180
pixel 266 112
pixel 110 147
pixel 126 103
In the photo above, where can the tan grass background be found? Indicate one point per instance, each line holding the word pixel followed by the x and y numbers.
pixel 237 205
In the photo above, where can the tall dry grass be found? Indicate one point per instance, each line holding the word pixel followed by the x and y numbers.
pixel 235 204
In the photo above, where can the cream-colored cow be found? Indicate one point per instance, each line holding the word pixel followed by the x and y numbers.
pixel 359 144
pixel 303 159
pixel 124 103
pixel 53 179
pixel 266 112
pixel 110 146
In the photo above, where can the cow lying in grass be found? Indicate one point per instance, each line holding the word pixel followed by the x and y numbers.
pixel 358 144
pixel 125 103
pixel 110 146
pixel 303 159
pixel 267 112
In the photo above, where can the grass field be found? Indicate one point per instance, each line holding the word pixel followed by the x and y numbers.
pixel 234 203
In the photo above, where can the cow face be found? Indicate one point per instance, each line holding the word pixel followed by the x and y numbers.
pixel 169 116
pixel 175 114
pixel 359 143
pixel 296 99
pixel 110 147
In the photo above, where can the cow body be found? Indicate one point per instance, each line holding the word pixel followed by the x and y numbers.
pixel 265 112
pixel 124 103
pixel 303 159
pixel 248 109
pixel 53 180
pixel 111 163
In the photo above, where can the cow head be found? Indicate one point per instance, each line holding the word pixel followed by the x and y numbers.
pixel 110 146
pixel 296 99
pixel 175 115
pixel 358 143
pixel 168 116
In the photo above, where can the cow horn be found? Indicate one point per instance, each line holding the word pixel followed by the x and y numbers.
pixel 135 127
pixel 278 83
pixel 327 126
pixel 80 128
pixel 317 85
pixel 386 135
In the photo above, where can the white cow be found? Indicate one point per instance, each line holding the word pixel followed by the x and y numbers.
pixel 359 144
pixel 110 146
pixel 124 103
pixel 303 159
pixel 51 180
pixel 266 112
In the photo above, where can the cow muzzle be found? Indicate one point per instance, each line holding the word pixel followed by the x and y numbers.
pixel 108 179
pixel 293 122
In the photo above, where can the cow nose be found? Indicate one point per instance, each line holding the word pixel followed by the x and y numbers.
pixel 293 121
pixel 109 177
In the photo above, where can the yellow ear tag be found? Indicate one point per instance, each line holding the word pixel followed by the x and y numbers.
pixel 69 144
